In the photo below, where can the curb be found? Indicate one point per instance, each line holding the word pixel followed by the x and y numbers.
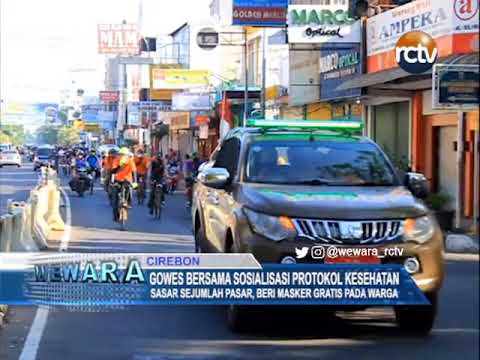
pixel 459 243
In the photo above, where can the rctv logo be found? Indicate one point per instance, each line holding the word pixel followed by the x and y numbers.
pixel 416 52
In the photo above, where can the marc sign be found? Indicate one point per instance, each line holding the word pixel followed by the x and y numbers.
pixel 321 24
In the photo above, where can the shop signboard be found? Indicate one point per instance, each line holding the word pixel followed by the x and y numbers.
pixel 180 120
pixel 179 78
pixel 456 87
pixel 453 24
pixel 109 96
pixel 139 110
pixel 314 24
pixel 119 39
pixel 264 13
pixel 337 66
pixel 91 112
pixel 190 102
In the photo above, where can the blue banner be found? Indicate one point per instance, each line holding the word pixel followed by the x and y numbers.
pixel 265 13
pixel 339 64
pixel 107 284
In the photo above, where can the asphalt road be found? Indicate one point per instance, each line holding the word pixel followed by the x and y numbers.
pixel 200 333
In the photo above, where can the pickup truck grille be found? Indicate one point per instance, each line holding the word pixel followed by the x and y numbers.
pixel 349 232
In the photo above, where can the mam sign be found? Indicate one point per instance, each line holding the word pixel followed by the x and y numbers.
pixel 121 39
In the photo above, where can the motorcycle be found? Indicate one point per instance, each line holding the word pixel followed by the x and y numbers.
pixel 82 182
pixel 172 178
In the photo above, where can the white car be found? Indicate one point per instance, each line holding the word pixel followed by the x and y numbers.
pixel 10 157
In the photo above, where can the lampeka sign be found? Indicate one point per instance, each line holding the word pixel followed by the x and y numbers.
pixel 321 24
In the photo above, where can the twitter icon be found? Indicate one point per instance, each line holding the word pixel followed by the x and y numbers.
pixel 301 253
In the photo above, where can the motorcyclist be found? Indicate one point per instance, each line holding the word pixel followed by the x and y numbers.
pixel 173 173
pixel 124 172
pixel 80 165
pixel 157 175
pixel 93 163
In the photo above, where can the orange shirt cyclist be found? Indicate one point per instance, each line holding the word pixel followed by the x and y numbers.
pixel 141 164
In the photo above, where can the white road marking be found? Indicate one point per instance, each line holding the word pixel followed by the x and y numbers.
pixel 32 343
pixel 30 348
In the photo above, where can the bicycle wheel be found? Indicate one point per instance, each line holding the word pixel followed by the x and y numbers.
pixel 123 217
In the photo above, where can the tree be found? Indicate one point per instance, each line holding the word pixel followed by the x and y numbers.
pixel 4 138
pixel 68 135
pixel 15 133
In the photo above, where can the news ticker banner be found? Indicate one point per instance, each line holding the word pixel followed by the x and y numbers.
pixel 102 280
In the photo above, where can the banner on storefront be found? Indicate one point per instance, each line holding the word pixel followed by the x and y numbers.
pixel 265 13
pixel 190 102
pixel 119 39
pixel 337 66
pixel 453 24
pixel 142 112
pixel 315 24
pixel 179 78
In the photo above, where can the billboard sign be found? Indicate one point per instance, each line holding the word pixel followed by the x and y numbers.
pixel 453 24
pixel 142 112
pixel 180 120
pixel 91 112
pixel 109 96
pixel 119 39
pixel 265 13
pixel 313 24
pixel 179 78
pixel 337 66
pixel 190 102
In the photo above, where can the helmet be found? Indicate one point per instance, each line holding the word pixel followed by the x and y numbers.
pixel 124 151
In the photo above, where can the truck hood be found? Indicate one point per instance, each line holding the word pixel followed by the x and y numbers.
pixel 331 202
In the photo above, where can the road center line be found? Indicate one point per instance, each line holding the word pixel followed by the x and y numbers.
pixel 32 343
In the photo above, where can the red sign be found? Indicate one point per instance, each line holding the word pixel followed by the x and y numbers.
pixel 202 120
pixel 109 96
pixel 122 39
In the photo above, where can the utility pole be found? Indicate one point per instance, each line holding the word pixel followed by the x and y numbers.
pixel 460 169
pixel 264 71
pixel 245 64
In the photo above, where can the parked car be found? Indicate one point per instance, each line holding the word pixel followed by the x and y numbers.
pixel 278 186
pixel 10 157
pixel 4 147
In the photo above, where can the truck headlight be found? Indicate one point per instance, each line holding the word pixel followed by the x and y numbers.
pixel 419 229
pixel 272 227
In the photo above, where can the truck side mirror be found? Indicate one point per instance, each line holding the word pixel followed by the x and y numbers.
pixel 417 184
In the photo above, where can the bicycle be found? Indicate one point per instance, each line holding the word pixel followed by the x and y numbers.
pixel 141 191
pixel 157 200
pixel 120 195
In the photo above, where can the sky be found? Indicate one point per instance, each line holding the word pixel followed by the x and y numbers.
pixel 43 43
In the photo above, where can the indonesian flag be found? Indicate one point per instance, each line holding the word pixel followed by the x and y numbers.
pixel 226 120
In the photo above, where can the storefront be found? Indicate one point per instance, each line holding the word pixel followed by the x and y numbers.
pixel 401 117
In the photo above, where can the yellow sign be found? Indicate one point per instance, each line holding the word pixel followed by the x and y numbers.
pixel 180 120
pixel 156 94
pixel 92 128
pixel 179 78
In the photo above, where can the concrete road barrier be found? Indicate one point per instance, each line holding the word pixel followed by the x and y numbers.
pixel 53 217
pixel 22 238
pixel 6 231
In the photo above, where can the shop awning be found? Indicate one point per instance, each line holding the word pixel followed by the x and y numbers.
pixel 386 76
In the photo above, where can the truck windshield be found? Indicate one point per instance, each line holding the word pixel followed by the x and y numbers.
pixel 318 163
pixel 44 152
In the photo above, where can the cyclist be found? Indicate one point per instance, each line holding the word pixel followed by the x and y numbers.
pixel 157 175
pixel 107 164
pixel 141 163
pixel 124 173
